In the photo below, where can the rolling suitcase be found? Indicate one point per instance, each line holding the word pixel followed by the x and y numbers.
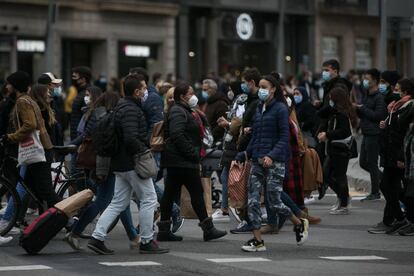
pixel 38 234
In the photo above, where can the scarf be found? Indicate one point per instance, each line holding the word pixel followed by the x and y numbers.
pixel 395 105
pixel 196 115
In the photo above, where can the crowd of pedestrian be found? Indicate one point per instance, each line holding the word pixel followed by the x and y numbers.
pixel 296 137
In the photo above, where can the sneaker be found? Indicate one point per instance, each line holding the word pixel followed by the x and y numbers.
pixel 73 241
pixel 302 231
pixel 309 200
pixel 4 240
pixel 152 248
pixel 177 223
pixel 407 231
pixel 372 197
pixel 31 211
pixel 335 206
pixel 269 229
pixel 99 247
pixel 135 244
pixel 398 226
pixel 379 228
pixel 340 211
pixel 254 245
pixel 242 228
pixel 234 213
pixel 220 216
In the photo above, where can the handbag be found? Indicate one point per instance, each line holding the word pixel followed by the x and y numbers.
pixel 157 141
pixel 86 155
pixel 238 183
pixel 349 142
pixel 145 165
pixel 31 150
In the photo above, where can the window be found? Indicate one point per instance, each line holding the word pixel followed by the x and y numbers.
pixel 363 53
pixel 330 48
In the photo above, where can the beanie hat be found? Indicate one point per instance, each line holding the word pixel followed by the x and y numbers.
pixel 20 80
pixel 391 77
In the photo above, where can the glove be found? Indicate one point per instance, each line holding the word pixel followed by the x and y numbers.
pixel 241 156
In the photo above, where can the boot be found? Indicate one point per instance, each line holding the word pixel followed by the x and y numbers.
pixel 164 232
pixel 210 232
pixel 312 220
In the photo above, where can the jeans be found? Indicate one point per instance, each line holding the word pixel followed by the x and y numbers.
pixel 334 171
pixel 271 179
pixel 21 191
pixel 391 188
pixel 368 160
pixel 125 184
pixel 104 194
pixel 224 179
pixel 191 179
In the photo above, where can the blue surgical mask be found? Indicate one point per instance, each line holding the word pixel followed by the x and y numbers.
pixel 331 103
pixel 382 88
pixel 57 91
pixel 365 84
pixel 263 94
pixel 245 88
pixel 298 99
pixel 204 94
pixel 326 75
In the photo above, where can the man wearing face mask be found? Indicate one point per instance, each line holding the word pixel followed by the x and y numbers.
pixel 81 77
pixel 371 112
pixel 387 85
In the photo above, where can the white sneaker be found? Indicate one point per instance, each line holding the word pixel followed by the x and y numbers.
pixel 335 206
pixel 301 231
pixel 218 215
pixel 309 200
pixel 233 211
pixel 340 211
pixel 4 240
pixel 31 211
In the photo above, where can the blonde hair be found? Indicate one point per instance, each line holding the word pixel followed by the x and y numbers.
pixel 168 95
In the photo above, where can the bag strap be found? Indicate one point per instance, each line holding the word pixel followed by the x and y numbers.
pixel 34 111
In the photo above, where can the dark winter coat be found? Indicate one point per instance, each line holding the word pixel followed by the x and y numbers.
pixel 333 83
pixel 248 118
pixel 270 133
pixel 217 106
pixel 153 108
pixel 307 114
pixel 77 113
pixel 132 129
pixel 183 139
pixel 372 112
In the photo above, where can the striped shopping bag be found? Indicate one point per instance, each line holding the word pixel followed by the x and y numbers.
pixel 238 183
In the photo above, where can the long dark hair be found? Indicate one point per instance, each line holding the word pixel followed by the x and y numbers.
pixel 108 99
pixel 39 94
pixel 343 104
pixel 278 96
pixel 95 93
pixel 181 90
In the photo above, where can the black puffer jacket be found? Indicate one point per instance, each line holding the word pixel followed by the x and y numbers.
pixel 77 113
pixel 372 112
pixel 132 130
pixel 333 83
pixel 217 106
pixel 248 119
pixel 183 140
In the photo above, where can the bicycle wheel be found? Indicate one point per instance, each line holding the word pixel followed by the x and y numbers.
pixel 67 189
pixel 11 197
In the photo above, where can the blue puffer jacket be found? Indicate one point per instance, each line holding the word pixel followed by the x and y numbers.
pixel 153 108
pixel 270 133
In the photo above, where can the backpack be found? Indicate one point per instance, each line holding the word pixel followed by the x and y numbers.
pixel 105 137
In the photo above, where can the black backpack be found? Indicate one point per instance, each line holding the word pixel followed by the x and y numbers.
pixel 105 137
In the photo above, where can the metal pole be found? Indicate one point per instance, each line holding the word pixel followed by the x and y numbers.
pixel 50 36
pixel 383 37
pixel 281 39
pixel 412 47
pixel 13 54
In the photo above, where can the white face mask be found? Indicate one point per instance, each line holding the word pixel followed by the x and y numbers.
pixel 145 97
pixel 289 101
pixel 87 100
pixel 230 95
pixel 193 101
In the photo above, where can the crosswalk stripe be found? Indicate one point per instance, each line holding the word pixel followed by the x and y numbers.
pixel 354 258
pixel 145 263
pixel 24 267
pixel 238 260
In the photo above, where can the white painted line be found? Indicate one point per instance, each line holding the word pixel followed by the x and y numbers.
pixel 354 258
pixel 24 267
pixel 129 263
pixel 238 260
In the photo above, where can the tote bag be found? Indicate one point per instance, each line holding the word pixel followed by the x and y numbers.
pixel 238 183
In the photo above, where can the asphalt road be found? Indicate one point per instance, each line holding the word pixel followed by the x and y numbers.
pixel 336 236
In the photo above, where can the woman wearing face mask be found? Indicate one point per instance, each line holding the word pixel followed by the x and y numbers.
pixel 181 157
pixel 336 132
pixel 91 95
pixel 306 114
pixel 269 152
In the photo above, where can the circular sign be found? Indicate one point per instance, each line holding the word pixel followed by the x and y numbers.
pixel 244 26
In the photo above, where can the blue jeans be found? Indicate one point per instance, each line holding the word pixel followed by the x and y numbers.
pixel 271 179
pixel 125 184
pixel 21 191
pixel 104 194
pixel 224 179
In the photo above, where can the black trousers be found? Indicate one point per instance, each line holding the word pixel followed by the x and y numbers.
pixel 391 189
pixel 191 179
pixel 368 160
pixel 38 179
pixel 334 170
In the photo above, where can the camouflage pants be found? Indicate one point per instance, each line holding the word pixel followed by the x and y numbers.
pixel 271 181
